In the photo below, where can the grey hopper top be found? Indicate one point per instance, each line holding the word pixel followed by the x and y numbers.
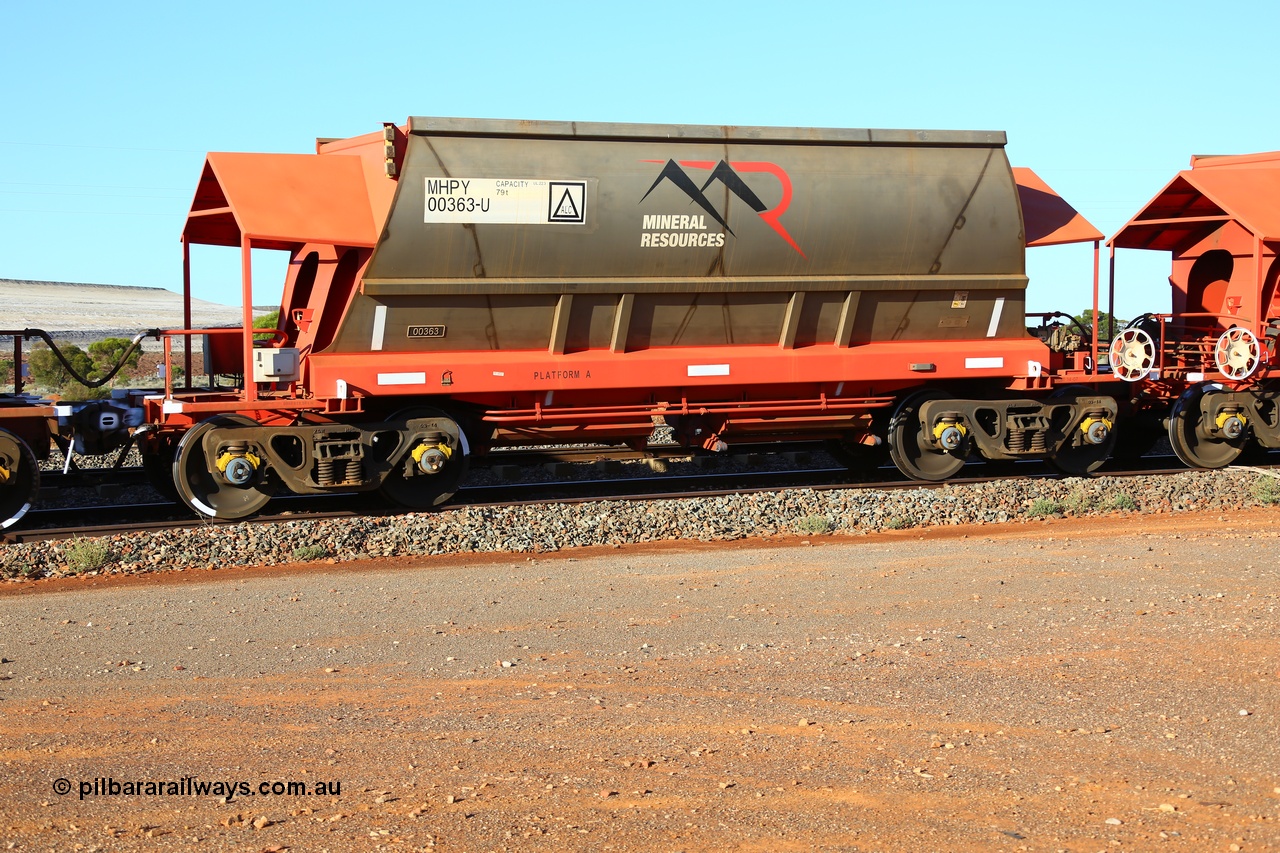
pixel 554 206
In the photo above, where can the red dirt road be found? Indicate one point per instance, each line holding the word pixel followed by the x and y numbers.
pixel 1095 685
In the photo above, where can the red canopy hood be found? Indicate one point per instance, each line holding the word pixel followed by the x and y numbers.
pixel 1244 189
pixel 1047 218
pixel 281 200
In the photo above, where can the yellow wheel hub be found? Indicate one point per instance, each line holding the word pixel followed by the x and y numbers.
pixel 225 459
pixel 421 450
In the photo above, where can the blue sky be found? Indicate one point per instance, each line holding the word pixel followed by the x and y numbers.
pixel 109 108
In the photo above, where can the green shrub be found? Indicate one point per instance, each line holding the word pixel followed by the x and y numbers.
pixel 814 524
pixel 267 321
pixel 307 553
pixel 1044 507
pixel 1266 489
pixel 107 353
pixel 73 390
pixel 898 522
pixel 47 371
pixel 87 555
pixel 1122 502
pixel 1079 502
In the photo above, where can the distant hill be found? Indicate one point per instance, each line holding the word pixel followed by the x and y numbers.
pixel 84 313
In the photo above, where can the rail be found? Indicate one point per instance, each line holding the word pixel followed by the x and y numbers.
pixel 117 519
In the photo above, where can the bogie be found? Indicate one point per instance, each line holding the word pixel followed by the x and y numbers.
pixel 932 433
pixel 230 466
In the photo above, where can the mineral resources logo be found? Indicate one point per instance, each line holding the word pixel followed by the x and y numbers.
pixel 678 230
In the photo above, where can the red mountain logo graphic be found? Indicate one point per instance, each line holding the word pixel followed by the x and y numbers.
pixel 727 174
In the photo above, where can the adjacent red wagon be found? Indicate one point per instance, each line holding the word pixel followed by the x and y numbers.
pixel 1209 358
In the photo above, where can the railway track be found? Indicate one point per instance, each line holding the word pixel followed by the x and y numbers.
pixel 70 522
pixel 502 459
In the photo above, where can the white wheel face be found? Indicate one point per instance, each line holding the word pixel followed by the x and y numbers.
pixel 1133 355
pixel 1237 353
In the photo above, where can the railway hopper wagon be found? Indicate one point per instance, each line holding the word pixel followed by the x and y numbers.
pixel 457 285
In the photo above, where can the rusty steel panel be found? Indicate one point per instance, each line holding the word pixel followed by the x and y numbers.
pixel 448 322
pixel 689 209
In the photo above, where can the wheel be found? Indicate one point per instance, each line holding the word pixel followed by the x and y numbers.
pixel 19 478
pixel 1082 459
pixel 211 494
pixel 1185 436
pixel 417 485
pixel 913 455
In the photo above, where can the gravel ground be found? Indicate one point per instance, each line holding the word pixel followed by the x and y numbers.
pixel 1069 684
pixel 552 527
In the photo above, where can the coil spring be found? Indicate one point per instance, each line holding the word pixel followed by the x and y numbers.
pixel 354 474
pixel 1017 440
pixel 1038 442
pixel 325 473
